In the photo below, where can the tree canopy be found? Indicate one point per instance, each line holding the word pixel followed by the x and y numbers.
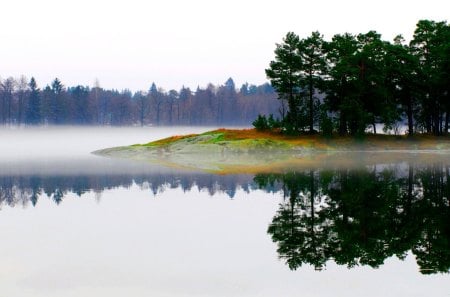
pixel 356 82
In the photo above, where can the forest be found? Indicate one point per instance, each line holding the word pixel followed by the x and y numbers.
pixel 22 102
pixel 351 83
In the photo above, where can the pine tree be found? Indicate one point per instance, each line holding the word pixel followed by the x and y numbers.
pixel 33 109
pixel 285 78
pixel 311 72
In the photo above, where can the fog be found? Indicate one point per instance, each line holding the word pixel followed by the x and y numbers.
pixel 67 149
pixel 69 142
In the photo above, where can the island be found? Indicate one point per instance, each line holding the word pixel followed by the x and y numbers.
pixel 255 151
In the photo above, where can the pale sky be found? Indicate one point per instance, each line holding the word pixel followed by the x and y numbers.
pixel 130 44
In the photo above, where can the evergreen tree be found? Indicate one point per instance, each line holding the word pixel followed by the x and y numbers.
pixel 341 80
pixel 401 79
pixel 431 45
pixel 56 109
pixel 311 73
pixel 80 100
pixel 284 76
pixel 370 62
pixel 33 109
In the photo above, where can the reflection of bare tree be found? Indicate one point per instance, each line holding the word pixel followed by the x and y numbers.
pixel 363 216
pixel 28 189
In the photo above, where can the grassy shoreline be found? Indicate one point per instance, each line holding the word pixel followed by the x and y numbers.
pixel 252 151
pixel 251 138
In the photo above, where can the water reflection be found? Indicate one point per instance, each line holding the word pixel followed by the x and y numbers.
pixel 28 189
pixel 363 216
pixel 352 216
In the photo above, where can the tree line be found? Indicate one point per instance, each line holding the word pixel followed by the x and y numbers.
pixel 22 102
pixel 354 82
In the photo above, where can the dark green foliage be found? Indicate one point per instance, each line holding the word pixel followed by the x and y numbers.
pixel 401 81
pixel 296 74
pixel 363 216
pixel 263 123
pixel 326 125
pixel 431 45
pixel 365 81
pixel 273 123
pixel 285 78
pixel 312 56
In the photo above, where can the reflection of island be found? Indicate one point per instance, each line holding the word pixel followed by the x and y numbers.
pixel 363 216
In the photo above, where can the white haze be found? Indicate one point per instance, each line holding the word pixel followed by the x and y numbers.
pixel 67 142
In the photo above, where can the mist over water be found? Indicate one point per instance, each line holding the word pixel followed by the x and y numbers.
pixel 67 150
pixel 66 142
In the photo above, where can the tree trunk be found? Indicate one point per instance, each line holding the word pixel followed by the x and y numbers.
pixel 447 119
pixel 342 124
pixel 157 113
pixel 170 113
pixel 409 112
pixel 311 104
pixel 313 194
pixel 20 111
pixel 142 112
pixel 428 124
pixel 410 197
pixel 436 121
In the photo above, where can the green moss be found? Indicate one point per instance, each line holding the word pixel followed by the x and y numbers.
pixel 210 132
pixel 217 137
pixel 258 144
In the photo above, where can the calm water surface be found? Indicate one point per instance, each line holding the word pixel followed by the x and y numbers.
pixel 74 224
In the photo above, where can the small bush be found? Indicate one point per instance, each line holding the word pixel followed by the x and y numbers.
pixel 273 123
pixel 264 123
pixel 261 123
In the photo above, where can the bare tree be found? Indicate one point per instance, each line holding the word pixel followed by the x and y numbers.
pixel 7 88
pixel 22 90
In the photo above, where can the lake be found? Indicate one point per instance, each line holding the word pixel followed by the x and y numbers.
pixel 75 224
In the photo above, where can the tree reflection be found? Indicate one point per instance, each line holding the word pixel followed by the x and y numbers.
pixel 363 216
pixel 300 226
pixel 25 189
pixel 351 216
